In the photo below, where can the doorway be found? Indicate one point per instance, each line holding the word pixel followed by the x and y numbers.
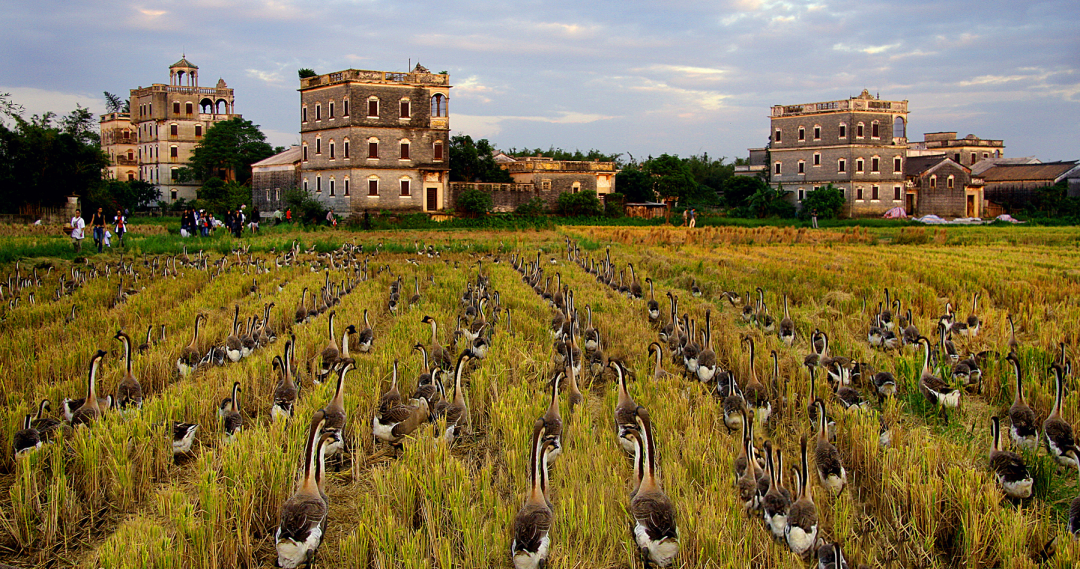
pixel 909 204
pixel 971 212
pixel 432 201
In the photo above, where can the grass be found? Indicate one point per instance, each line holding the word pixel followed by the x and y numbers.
pixel 112 496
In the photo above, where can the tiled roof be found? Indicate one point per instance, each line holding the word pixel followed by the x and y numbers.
pixel 290 156
pixel 1027 172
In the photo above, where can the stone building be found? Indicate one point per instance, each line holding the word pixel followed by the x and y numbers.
pixel 858 145
pixel 966 151
pixel 119 141
pixel 376 140
pixel 563 176
pixel 272 177
pixel 170 120
pixel 1011 186
pixel 940 186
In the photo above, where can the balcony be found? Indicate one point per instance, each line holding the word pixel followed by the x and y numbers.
pixel 379 77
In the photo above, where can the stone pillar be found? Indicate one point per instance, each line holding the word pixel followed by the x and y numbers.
pixel 69 209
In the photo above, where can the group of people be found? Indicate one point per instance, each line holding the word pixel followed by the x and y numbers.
pixel 691 215
pixel 100 231
pixel 200 222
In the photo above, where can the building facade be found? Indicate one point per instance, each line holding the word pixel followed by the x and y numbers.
pixel 966 151
pixel 374 140
pixel 561 176
pixel 170 120
pixel 858 145
pixel 120 141
pixel 272 177
pixel 939 185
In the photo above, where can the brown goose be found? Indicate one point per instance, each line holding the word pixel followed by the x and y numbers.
pixel 90 410
pixel 27 439
pixel 706 362
pixel 301 315
pixel 553 425
pixel 625 410
pixel 655 531
pixel 658 370
pixel 1057 432
pixel 574 398
pixel 802 527
pixel 334 411
pixel 331 352
pixel 531 542
pixel 757 397
pixel 829 466
pixel 972 327
pixel 438 354
pixel 456 413
pixel 787 326
pixel 128 392
pixel 1008 467
pixel 232 419
pixel 774 504
pixel 1024 430
pixel 190 356
pixel 234 349
pixel 392 397
pixel 653 307
pixel 1013 344
pixel 303 515
pixel 286 392
pixel 366 338
pixel 936 390
pixel 734 404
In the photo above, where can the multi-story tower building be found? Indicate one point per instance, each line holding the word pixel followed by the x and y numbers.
pixel 118 140
pixel 170 120
pixel 966 151
pixel 373 140
pixel 858 145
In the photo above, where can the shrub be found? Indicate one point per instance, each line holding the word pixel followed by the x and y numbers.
pixel 305 208
pixel 531 208
pixel 473 202
pixel 828 201
pixel 579 204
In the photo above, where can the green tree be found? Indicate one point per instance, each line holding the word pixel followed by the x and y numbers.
pixel 227 150
pixel 306 72
pixel 560 154
pixel 305 208
pixel 737 189
pixel 768 201
pixel 531 208
pixel 827 200
pixel 131 195
pixel 581 204
pixel 672 177
pixel 220 196
pixel 474 161
pixel 635 184
pixel 473 202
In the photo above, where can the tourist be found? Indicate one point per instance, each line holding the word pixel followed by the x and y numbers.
pixel 77 235
pixel 254 225
pixel 330 218
pixel 813 218
pixel 288 215
pixel 693 218
pixel 685 215
pixel 120 225
pixel 97 222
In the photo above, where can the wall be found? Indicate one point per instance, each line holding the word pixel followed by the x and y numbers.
pixel 269 184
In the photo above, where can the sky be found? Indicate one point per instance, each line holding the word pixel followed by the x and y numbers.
pixel 626 77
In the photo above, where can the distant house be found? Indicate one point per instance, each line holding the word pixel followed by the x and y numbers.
pixel 965 151
pixel 940 186
pixel 272 177
pixel 1011 186
pixel 543 178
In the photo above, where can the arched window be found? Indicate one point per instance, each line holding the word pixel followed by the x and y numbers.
pixel 874 130
pixel 841 165
pixel 842 132
pixel 318 184
pixel 318 145
pixel 404 146
pixel 406 186
pixel 898 128
pixel 305 152
pixel 817 132
pixel 802 166
pixel 346 187
pixel 332 156
pixel 802 134
pixel 373 186
pixel 933 181
pixel 332 188
pixel 345 107
pixel 439 104
pixel 859 130
pixel 373 107
pixel 817 159
pixel 345 148
pixel 318 112
pixel 373 148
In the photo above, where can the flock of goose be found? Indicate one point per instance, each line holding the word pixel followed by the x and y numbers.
pixel 789 514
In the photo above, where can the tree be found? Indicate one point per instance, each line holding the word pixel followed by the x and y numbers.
pixel 768 201
pixel 827 200
pixel 221 196
pixel 560 154
pixel 305 208
pixel 635 184
pixel 474 161
pixel 113 103
pixel 737 189
pixel 131 195
pixel 672 177
pixel 228 149
pixel 305 72
pixel 473 202
pixel 581 204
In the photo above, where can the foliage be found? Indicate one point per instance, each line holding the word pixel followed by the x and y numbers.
pixel 614 205
pixel 130 195
pixel 635 184
pixel 580 204
pixel 220 196
pixel 533 207
pixel 305 208
pixel 474 162
pixel 228 149
pixel 827 201
pixel 305 72
pixel 114 104
pixel 709 172
pixel 737 189
pixel 771 202
pixel 672 177
pixel 473 202
pixel 43 160
pixel 560 154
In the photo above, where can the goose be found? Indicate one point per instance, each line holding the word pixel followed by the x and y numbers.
pixel 707 366
pixel 438 354
pixel 303 515
pixel 334 412
pixel 45 425
pixel 886 315
pixel 884 384
pixel 27 439
pixel 366 337
pixel 747 483
pixel 1057 432
pixel 972 324
pixel 401 421
pixel 829 466
pixel 129 392
pixel 625 410
pixel 734 404
pixel 774 504
pixel 787 326
pixel 658 370
pixel 553 425
pixel 655 531
pixel 948 349
pixel 597 361
pixel 748 313
pixel 301 309
pixel 667 331
pixel 850 398
pixel 424 379
pixel 183 437
pixel 456 413
pixel 392 397
pixel 233 348
pixel 1063 360
pixel 835 366
pixel 331 352
pixel 90 410
pixel 532 540
pixel 690 350
pixel 1008 467
pixel 415 298
pixel 936 390
pixel 802 523
pixel 145 346
pixel 910 335
pixel 286 392
pixel 190 355
pixel 248 344
pixel 830 556
pixel 756 395
pixel 267 335
pixel 635 286
pixel 695 289
pixel 876 334
pixel 1024 430
pixel 233 421
pixel 653 307
pixel 591 335
pixel 574 397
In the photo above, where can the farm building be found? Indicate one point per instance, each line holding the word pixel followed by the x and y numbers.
pixel 272 177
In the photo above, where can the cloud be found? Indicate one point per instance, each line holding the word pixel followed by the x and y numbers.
pixel 869 49
pixel 40 101
pixel 479 126
pixel 265 76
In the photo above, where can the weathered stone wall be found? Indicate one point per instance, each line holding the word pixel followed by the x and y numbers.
pixel 268 188
pixel 942 200
pixel 506 197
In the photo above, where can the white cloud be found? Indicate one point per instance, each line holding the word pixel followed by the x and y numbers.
pixel 265 76
pixel 40 101
pixel 867 49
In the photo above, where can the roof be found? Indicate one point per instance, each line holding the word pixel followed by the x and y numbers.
pixel 1051 171
pixel 290 156
pixel 184 63
pixel 919 165
pixel 987 163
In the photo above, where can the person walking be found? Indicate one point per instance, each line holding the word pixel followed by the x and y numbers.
pixel 693 218
pixel 685 216
pixel 120 226
pixel 77 234
pixel 330 219
pixel 288 215
pixel 254 225
pixel 97 222
pixel 813 218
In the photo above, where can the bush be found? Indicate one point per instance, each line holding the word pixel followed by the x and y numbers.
pixel 581 204
pixel 305 208
pixel 473 202
pixel 614 205
pixel 531 208
pixel 828 201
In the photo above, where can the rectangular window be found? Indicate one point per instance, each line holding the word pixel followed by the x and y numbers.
pixel 318 146
pixel 896 193
pixel 817 159
pixel 949 182
pixel 330 109
pixel 973 157
pixel 817 133
pixel 176 108
pixel 545 184
pixel 874 193
pixel 305 152
pixel 802 167
pixel 175 173
pixel 198 130
pixel 777 135
pixel 874 131
pixel 373 108
pixel 874 164
pixel 332 186
pixel 896 164
pixel 346 186
pixel 802 134
pixel 303 114
pixel 373 150
pixel 438 151
pixel 373 187
pixel 174 130
pixel 405 109
pixel 776 168
pixel 404 188
pixel 859 131
pixel 843 131
pixel 174 152
pixel 318 184
pixel 858 194
pixel 318 112
pixel 841 165
pixel 404 150
pixel 188 108
pixel 346 149
pixel 859 165
pixel 345 107
pixel 331 149
pixel 802 194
